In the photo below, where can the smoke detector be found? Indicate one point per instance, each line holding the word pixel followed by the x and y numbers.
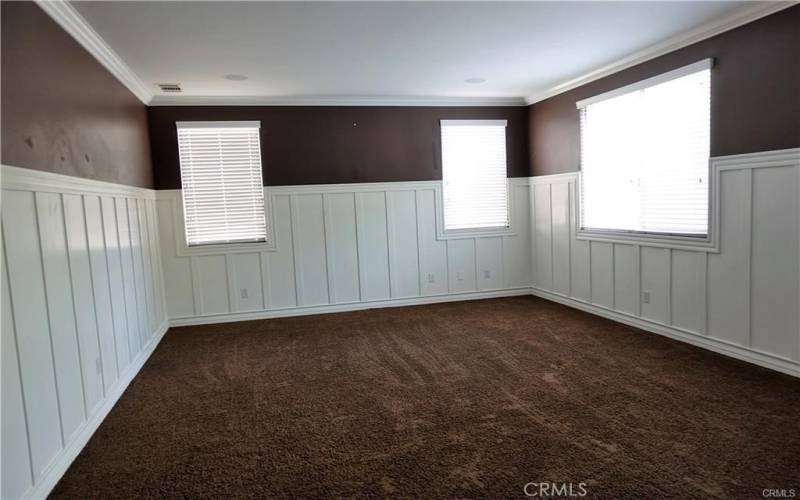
pixel 172 88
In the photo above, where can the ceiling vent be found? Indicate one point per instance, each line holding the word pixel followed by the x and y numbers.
pixel 172 88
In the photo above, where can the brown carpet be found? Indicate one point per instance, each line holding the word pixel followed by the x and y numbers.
pixel 469 399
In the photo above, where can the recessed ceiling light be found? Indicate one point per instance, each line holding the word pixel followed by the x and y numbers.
pixel 475 80
pixel 235 77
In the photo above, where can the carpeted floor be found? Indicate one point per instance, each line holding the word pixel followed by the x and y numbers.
pixel 470 399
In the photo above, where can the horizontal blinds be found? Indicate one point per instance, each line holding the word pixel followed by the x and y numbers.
pixel 644 158
pixel 223 193
pixel 474 183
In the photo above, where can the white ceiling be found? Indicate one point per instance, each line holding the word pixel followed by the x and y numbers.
pixel 368 50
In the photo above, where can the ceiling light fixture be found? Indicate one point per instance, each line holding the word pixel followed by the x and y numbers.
pixel 475 80
pixel 236 78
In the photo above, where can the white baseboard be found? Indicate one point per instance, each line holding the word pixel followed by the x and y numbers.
pixel 756 357
pixel 61 462
pixel 353 306
pixel 767 360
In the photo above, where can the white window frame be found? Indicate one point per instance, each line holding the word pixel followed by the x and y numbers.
pixel 181 245
pixel 448 234
pixel 675 241
pixel 175 199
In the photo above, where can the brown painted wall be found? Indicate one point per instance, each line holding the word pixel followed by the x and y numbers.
pixel 62 111
pixel 755 94
pixel 321 145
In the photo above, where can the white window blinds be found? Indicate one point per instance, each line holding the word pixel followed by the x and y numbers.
pixel 474 183
pixel 223 194
pixel 645 153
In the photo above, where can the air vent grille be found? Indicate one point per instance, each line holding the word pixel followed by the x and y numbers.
pixel 170 87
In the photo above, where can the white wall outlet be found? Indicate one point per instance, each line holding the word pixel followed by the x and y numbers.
pixel 243 293
pixel 487 274
pixel 431 278
pixel 460 275
pixel 646 296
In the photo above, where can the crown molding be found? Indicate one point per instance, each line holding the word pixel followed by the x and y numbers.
pixel 186 100
pixel 63 13
pixel 739 18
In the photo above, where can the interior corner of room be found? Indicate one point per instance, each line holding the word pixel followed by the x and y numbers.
pixel 508 258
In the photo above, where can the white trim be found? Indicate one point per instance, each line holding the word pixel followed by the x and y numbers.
pixel 554 178
pixel 63 13
pixel 26 179
pixel 648 82
pixel 754 356
pixel 353 187
pixel 759 159
pixel 61 462
pixel 218 124
pixel 741 17
pixel 311 100
pixel 354 306
pixel 474 123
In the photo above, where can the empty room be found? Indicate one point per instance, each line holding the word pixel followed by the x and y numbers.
pixel 400 249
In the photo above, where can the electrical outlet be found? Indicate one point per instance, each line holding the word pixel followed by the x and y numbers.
pixel 431 278
pixel 487 274
pixel 460 275
pixel 646 296
pixel 243 293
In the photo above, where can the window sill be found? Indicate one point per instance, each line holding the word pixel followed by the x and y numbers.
pixel 185 250
pixel 692 243
pixel 477 232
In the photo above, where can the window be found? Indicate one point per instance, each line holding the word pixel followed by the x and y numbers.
pixel 474 186
pixel 223 195
pixel 645 153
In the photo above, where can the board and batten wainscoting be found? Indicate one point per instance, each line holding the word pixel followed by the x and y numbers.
pixel 740 299
pixel 344 247
pixel 82 309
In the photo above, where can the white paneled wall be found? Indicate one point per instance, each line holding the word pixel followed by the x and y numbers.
pixel 344 247
pixel 741 300
pixel 81 310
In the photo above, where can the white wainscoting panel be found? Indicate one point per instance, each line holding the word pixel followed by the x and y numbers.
pixel 489 262
pixel 741 300
pixel 461 262
pixel 342 247
pixel 401 211
pixel 81 287
pixel 432 251
pixel 373 245
pixel 309 243
pixel 626 278
pixel 517 270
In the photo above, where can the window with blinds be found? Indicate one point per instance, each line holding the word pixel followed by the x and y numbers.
pixel 474 185
pixel 223 194
pixel 645 155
